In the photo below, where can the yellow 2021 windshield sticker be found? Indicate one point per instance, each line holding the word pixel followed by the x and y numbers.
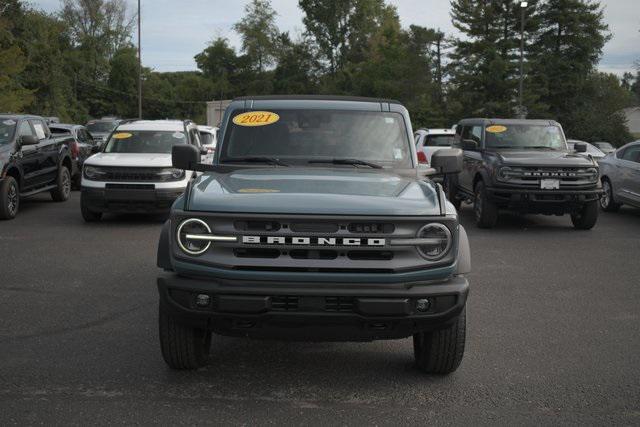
pixel 496 129
pixel 122 135
pixel 256 118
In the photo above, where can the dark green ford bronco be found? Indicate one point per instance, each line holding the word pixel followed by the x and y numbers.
pixel 314 222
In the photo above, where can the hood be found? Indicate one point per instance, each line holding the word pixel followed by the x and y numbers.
pixel 542 158
pixel 130 159
pixel 316 191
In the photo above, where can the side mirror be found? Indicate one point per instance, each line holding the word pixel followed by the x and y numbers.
pixel 447 160
pixel 28 140
pixel 469 145
pixel 185 156
pixel 580 147
pixel 96 148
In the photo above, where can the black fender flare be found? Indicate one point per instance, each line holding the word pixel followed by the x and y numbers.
pixel 463 265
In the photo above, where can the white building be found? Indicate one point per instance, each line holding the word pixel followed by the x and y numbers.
pixel 215 111
pixel 633 120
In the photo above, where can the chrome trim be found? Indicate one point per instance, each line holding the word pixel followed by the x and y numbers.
pixel 414 242
pixel 184 249
pixel 211 238
pixel 446 249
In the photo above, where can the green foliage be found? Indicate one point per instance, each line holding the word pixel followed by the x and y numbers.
pixel 596 114
pixel 259 33
pixel 80 63
pixel 13 95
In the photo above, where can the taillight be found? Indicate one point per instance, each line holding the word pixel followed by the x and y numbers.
pixel 422 158
pixel 75 150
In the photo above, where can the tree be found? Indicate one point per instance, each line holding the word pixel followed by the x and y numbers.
pixel 98 29
pixel 596 113
pixel 13 95
pixel 259 33
pixel 565 52
pixel 341 29
pixel 296 69
pixel 484 64
pixel 123 81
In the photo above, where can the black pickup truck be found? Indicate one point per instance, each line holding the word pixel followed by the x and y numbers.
pixel 31 161
pixel 524 166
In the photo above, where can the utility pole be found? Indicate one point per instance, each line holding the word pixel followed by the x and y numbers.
pixel 521 113
pixel 139 66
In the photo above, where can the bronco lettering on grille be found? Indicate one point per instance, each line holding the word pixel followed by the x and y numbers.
pixel 312 241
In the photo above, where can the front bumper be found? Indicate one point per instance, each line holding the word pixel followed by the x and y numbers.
pixel 312 311
pixel 534 200
pixel 123 198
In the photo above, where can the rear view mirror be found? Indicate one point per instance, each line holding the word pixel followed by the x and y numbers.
pixel 185 157
pixel 469 145
pixel 28 140
pixel 580 147
pixel 447 160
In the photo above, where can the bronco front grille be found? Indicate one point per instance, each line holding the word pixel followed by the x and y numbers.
pixel 134 174
pixel 533 175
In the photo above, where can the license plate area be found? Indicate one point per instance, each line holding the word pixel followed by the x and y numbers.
pixel 550 184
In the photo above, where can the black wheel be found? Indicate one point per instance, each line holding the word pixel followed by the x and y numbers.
pixel 486 211
pixel 451 190
pixel 63 185
pixel 183 347
pixel 87 214
pixel 607 202
pixel 9 198
pixel 441 351
pixel 587 217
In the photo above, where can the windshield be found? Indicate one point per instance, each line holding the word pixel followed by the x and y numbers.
pixel 439 140
pixel 136 141
pixel 301 136
pixel 524 136
pixel 594 151
pixel 59 131
pixel 206 138
pixel 101 127
pixel 7 128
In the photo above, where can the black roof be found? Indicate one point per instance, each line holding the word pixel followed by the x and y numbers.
pixel 315 98
pixel 487 121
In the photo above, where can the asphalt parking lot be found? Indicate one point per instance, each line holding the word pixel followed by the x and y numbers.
pixel 553 336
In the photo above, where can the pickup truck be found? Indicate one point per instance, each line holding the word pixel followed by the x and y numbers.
pixel 315 222
pixel 524 166
pixel 31 161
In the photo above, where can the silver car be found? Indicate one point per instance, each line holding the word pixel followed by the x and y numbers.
pixel 620 174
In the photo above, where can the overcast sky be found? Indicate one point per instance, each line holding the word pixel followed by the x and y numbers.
pixel 173 31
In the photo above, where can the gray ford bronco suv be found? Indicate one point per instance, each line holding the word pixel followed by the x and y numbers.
pixel 314 222
pixel 525 166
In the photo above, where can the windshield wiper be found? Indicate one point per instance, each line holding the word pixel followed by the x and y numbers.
pixel 357 162
pixel 256 159
pixel 541 147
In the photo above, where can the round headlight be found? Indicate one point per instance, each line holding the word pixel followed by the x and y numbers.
pixel 92 172
pixel 437 241
pixel 193 226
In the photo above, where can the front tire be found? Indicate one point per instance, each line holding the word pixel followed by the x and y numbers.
pixel 486 211
pixel 9 198
pixel 451 190
pixel 440 352
pixel 183 347
pixel 587 217
pixel 606 199
pixel 63 185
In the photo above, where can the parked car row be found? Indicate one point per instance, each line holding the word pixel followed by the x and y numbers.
pixel 122 165
pixel 528 166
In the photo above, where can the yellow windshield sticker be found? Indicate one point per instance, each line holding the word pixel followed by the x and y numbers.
pixel 496 129
pixel 122 135
pixel 257 190
pixel 256 118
